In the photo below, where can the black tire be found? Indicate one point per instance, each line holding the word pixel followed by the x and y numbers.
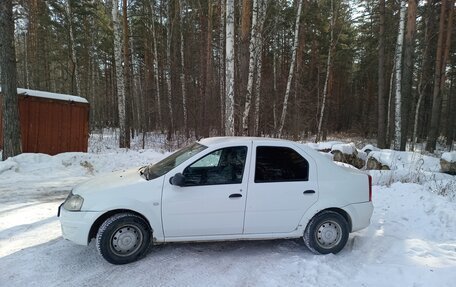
pixel 327 232
pixel 123 238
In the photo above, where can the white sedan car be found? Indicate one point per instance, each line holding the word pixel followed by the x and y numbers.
pixel 226 188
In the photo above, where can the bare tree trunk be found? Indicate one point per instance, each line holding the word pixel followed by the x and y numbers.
pixel 388 108
pixel 423 80
pixel 381 131
pixel 443 46
pixel 155 63
pixel 398 64
pixel 451 129
pixel 229 68
pixel 127 73
pixel 121 101
pixel 9 99
pixel 182 75
pixel 274 84
pixel 407 79
pixel 207 84
pixel 291 72
pixel 328 73
pixel 169 32
pixel 262 16
pixel 253 57
pixel 222 66
pixel 73 50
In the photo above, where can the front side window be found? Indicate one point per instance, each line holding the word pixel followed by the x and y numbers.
pixel 170 162
pixel 222 166
pixel 279 164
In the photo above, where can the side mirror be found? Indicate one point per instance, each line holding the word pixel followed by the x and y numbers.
pixel 178 179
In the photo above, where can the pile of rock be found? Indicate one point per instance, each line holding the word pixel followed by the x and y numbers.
pixel 448 163
pixel 374 164
pixel 347 153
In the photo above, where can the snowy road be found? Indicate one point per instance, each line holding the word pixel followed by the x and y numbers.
pixel 410 242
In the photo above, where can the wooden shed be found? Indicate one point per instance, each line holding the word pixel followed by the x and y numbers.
pixel 51 123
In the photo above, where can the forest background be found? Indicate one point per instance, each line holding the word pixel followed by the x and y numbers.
pixel 298 69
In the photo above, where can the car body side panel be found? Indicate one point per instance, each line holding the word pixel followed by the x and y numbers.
pixel 139 195
pixel 335 187
pixel 340 187
pixel 206 210
pixel 277 207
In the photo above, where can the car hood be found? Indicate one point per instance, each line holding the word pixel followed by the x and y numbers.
pixel 115 180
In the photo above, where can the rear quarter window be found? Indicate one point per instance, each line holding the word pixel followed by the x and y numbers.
pixel 280 164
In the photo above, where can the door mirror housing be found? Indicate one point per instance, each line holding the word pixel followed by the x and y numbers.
pixel 178 179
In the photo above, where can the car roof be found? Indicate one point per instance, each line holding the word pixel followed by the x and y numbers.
pixel 218 140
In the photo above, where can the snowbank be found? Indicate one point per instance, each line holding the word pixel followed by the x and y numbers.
pixel 410 161
pixel 348 148
pixel 35 175
pixel 368 148
pixel 323 146
pixel 449 156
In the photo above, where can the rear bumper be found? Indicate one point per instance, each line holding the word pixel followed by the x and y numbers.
pixel 76 225
pixel 360 214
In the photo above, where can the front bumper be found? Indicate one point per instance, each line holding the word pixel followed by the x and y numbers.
pixel 76 224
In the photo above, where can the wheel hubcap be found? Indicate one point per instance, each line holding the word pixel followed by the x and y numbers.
pixel 126 240
pixel 328 234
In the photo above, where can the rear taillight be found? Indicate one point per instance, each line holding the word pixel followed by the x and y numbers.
pixel 370 187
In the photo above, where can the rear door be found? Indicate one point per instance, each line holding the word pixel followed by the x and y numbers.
pixel 282 186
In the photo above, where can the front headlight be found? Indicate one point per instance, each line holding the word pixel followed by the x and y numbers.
pixel 73 202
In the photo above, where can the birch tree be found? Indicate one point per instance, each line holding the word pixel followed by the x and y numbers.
pixel 262 16
pixel 127 72
pixel 120 84
pixel 291 72
pixel 9 99
pixel 253 57
pixel 229 69
pixel 398 72
pixel 328 72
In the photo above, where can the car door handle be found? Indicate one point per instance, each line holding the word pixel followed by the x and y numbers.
pixel 235 195
pixel 309 191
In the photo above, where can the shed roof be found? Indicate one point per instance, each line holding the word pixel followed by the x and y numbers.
pixel 48 95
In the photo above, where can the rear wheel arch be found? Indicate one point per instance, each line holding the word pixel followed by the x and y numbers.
pixel 327 231
pixel 100 220
pixel 341 212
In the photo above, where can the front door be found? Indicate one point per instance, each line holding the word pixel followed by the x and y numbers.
pixel 212 201
pixel 282 186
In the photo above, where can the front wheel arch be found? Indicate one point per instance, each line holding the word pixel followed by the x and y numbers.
pixel 97 224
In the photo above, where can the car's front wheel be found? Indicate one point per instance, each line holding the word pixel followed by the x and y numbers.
pixel 123 238
pixel 327 232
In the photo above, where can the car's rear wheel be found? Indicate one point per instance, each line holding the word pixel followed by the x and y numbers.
pixel 123 238
pixel 327 232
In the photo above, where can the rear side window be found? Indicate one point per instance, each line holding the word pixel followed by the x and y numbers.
pixel 279 164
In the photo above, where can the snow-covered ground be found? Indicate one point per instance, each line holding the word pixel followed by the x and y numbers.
pixel 411 240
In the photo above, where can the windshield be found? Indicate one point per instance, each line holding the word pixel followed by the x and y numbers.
pixel 160 168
